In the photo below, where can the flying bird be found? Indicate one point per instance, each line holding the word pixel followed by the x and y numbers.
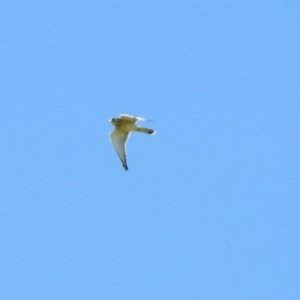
pixel 119 136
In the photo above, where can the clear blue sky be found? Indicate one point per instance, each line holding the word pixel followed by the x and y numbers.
pixel 209 208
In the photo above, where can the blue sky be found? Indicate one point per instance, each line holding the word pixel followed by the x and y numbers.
pixel 209 208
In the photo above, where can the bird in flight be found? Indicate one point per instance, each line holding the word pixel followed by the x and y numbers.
pixel 119 136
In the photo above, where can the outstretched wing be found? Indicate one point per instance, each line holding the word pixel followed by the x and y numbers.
pixel 131 118
pixel 118 139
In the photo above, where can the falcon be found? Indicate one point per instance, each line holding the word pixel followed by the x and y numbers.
pixel 119 136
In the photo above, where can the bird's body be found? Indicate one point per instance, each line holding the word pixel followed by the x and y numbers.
pixel 123 126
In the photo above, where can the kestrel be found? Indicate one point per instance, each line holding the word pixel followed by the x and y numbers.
pixel 123 126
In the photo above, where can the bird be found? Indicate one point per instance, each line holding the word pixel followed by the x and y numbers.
pixel 124 125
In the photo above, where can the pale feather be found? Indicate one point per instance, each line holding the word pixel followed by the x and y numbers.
pixel 118 138
pixel 132 119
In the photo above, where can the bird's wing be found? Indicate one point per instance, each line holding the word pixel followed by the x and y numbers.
pixel 131 118
pixel 118 138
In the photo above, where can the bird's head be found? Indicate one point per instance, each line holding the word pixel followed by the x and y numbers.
pixel 113 120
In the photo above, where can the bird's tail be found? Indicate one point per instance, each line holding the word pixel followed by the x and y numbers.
pixel 145 130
